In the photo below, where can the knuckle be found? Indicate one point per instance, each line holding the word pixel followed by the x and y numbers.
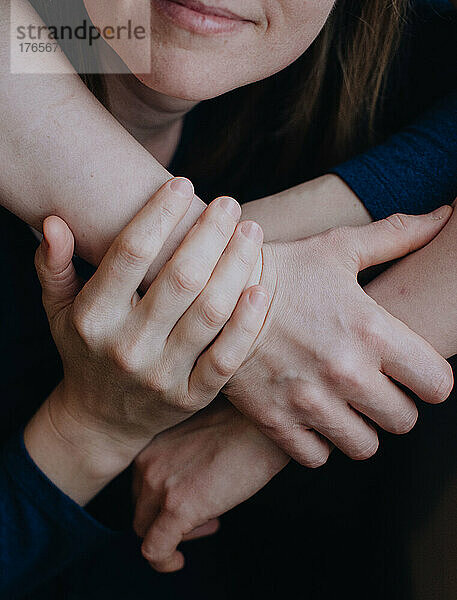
pixel 127 359
pixel 397 222
pixel 221 225
pixel 169 209
pixel 187 276
pixel 84 324
pixel 131 250
pixel 223 364
pixel 214 312
pixel 313 406
pixel 160 381
pixel 273 426
pixel 174 506
pixel 186 402
pixel 247 329
pixel 141 463
pixel 373 328
pixel 346 373
pixel 245 256
pixel 150 553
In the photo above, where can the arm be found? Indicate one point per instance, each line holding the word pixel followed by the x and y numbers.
pixel 70 168
pixel 108 339
pixel 413 172
pixel 409 290
pixel 42 529
pixel 421 290
pixel 313 311
pixel 61 152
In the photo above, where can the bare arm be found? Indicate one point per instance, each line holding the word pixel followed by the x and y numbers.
pixel 306 209
pixel 56 162
pixel 421 290
pixel 61 152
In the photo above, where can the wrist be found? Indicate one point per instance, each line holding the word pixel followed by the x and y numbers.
pixel 79 460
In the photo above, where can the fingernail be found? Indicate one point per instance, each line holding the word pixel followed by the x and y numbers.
pixel 258 299
pixel 441 213
pixel 182 186
pixel 252 231
pixel 231 206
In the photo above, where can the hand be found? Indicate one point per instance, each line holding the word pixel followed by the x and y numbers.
pixel 328 354
pixel 194 473
pixel 136 366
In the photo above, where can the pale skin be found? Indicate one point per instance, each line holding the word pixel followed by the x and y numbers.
pixel 155 370
pixel 50 195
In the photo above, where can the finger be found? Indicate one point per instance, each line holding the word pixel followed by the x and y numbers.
pixel 209 528
pixel 340 424
pixel 396 236
pixel 387 405
pixel 302 444
pixel 224 357
pixel 188 271
pixel 146 512
pixel 413 362
pixel 216 303
pixel 53 262
pixel 162 539
pixel 171 564
pixel 127 261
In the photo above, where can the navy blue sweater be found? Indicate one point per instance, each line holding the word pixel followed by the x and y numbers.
pixel 49 546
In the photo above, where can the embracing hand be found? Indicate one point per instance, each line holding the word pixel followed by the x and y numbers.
pixel 190 475
pixel 136 366
pixel 328 355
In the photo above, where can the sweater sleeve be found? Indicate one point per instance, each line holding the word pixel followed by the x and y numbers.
pixel 42 530
pixel 414 171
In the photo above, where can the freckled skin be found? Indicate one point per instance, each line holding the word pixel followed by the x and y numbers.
pixel 197 67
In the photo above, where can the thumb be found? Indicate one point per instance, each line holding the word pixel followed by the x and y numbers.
pixel 209 528
pixel 53 263
pixel 397 236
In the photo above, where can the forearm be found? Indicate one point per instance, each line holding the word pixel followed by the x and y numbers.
pixel 80 462
pixel 64 154
pixel 309 208
pixel 421 290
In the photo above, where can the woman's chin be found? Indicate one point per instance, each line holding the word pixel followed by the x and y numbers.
pixel 183 88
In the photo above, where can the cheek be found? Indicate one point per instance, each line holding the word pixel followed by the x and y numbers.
pixel 293 27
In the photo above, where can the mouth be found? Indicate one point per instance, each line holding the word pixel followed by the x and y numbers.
pixel 196 17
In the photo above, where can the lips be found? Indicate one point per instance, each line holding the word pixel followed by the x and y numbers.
pixel 198 6
pixel 200 18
